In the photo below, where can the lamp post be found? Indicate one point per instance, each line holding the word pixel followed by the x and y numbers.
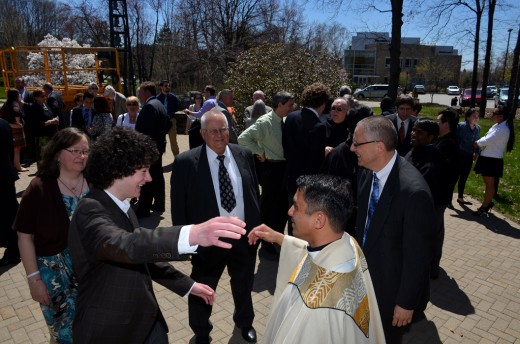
pixel 507 53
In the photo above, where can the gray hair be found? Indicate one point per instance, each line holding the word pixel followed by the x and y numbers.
pixel 109 90
pixel 258 109
pixel 379 128
pixel 211 113
pixel 281 97
pixel 223 93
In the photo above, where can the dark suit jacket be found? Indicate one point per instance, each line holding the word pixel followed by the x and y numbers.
pixel 174 103
pixel 403 147
pixel 154 122
pixel 113 259
pixel 77 120
pixel 399 244
pixel 303 139
pixel 8 174
pixel 193 198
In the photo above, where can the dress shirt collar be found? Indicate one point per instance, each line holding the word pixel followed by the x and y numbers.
pixel 315 112
pixel 383 174
pixel 123 205
pixel 212 156
pixel 276 117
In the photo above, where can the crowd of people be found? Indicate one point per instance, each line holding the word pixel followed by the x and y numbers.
pixel 362 196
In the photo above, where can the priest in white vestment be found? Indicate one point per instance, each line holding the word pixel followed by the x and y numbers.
pixel 324 293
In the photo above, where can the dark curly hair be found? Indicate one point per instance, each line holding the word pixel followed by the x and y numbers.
pixel 118 153
pixel 315 95
pixel 101 104
pixel 48 166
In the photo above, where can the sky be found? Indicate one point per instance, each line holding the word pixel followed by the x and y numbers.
pixel 416 24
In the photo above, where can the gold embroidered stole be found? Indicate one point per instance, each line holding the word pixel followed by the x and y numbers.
pixel 321 288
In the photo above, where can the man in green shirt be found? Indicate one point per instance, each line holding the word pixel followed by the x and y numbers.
pixel 264 139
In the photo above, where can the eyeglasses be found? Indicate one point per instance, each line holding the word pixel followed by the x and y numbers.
pixel 355 144
pixel 215 132
pixel 337 108
pixel 78 152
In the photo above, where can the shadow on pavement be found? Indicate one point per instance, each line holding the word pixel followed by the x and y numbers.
pixel 265 277
pixel 491 222
pixel 446 294
pixel 422 332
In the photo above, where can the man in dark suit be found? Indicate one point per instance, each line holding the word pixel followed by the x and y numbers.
pixel 154 122
pixel 115 261
pixel 403 122
pixel 303 137
pixel 81 117
pixel 224 101
pixel 215 179
pixel 55 103
pixel 172 105
pixel 8 202
pixel 395 226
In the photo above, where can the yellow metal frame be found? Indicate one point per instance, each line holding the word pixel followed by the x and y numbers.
pixel 10 61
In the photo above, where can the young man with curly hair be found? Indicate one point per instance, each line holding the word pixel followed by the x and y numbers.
pixel 303 136
pixel 115 260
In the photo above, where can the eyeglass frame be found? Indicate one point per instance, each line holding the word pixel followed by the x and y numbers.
pixel 355 144
pixel 78 152
pixel 214 132
pixel 337 108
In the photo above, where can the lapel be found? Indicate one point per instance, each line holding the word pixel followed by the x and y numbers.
pixel 129 222
pixel 383 206
pixel 204 178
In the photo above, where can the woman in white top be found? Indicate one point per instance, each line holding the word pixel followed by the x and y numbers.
pixel 128 119
pixel 490 163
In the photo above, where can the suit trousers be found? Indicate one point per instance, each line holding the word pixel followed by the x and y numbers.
pixel 439 240
pixel 273 200
pixel 172 134
pixel 208 265
pixel 154 190
pixel 465 164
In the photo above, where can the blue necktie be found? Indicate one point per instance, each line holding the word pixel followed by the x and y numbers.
pixel 372 204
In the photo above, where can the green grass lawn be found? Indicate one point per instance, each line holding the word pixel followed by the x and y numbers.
pixel 508 199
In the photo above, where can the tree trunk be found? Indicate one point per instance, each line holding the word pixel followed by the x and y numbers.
pixel 395 48
pixel 474 79
pixel 487 62
pixel 512 97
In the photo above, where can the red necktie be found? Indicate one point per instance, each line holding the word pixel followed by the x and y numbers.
pixel 401 133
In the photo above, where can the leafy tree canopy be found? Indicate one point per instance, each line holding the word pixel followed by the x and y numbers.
pixel 279 67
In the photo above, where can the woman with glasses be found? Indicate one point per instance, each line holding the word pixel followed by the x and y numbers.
pixel 490 163
pixel 195 107
pixel 128 119
pixel 42 223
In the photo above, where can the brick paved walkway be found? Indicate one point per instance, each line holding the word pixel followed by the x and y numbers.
pixel 475 300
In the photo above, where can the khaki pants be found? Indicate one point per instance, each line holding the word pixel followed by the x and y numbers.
pixel 173 137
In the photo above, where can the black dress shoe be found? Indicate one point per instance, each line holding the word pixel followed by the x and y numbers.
pixel 5 261
pixel 249 334
pixel 202 340
pixel 158 208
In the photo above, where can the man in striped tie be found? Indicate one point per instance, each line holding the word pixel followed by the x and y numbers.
pixel 395 226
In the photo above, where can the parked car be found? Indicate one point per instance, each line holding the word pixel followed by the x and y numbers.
pixel 502 96
pixel 465 97
pixel 491 91
pixel 453 90
pixel 420 89
pixel 372 91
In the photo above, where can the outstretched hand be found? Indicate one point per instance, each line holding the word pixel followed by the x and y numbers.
pixel 265 233
pixel 204 292
pixel 209 232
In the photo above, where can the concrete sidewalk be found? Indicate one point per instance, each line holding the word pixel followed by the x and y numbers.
pixel 475 300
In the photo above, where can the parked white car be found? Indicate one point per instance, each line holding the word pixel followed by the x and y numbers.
pixel 455 90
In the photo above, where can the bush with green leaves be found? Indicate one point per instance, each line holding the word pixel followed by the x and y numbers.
pixel 280 67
